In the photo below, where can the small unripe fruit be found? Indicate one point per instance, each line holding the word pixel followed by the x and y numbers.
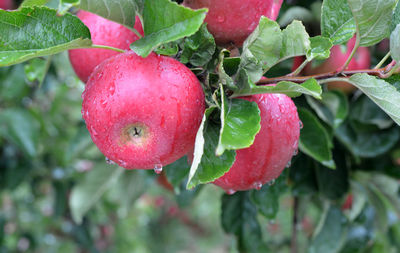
pixel 143 113
pixel 338 57
pixel 232 21
pixel 103 32
pixel 272 149
pixel 6 4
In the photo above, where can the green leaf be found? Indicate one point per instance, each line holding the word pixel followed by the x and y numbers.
pixel 21 128
pixel 337 22
pixel 333 108
pixel 87 192
pixel 263 46
pixel 160 28
pixel 314 139
pixel 302 178
pixel 320 48
pixel 36 69
pixel 382 93
pixel 267 198
pixel 31 3
pixel 206 166
pixel 395 18
pixel 366 115
pixel 38 31
pixel 367 144
pixel 373 19
pixel 333 184
pixel 176 172
pixel 246 88
pixel 122 12
pixel 199 48
pixel 330 235
pixel 394 44
pixel 240 123
pixel 295 42
pixel 239 217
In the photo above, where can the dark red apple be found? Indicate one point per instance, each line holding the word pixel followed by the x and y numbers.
pixel 232 21
pixel 339 55
pixel 143 113
pixel 6 4
pixel 272 149
pixel 103 32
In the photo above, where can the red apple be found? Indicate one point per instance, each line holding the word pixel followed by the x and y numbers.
pixel 143 113
pixel 103 32
pixel 339 55
pixel 232 21
pixel 272 149
pixel 6 4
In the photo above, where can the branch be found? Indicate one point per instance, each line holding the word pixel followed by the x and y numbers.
pixel 381 73
pixel 293 243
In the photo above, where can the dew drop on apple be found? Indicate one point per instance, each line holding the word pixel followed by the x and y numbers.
pixel 230 192
pixel 158 168
pixel 258 185
pixel 109 161
pixel 301 124
pixel 289 164
pixel 296 152
pixel 220 19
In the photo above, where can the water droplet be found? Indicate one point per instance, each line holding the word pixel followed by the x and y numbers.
pixel 295 152
pixel 220 19
pixel 257 185
pixel 289 164
pixel 230 192
pixel 122 163
pixel 109 161
pixel 93 131
pixel 103 103
pixel 112 90
pixel 272 182
pixel 301 124
pixel 158 168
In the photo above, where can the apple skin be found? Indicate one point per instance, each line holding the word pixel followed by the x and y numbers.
pixel 361 60
pixel 143 112
pixel 6 4
pixel 103 32
pixel 232 21
pixel 272 149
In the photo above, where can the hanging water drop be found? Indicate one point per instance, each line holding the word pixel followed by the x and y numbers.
pixel 230 192
pixel 109 161
pixel 296 152
pixel 272 182
pixel 301 124
pixel 289 164
pixel 257 185
pixel 158 168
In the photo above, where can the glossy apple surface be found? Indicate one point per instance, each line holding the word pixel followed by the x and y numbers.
pixel 103 32
pixel 232 21
pixel 6 4
pixel 338 57
pixel 272 149
pixel 143 113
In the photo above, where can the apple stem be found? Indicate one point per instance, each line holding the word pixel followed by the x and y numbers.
pixel 382 61
pixel 381 73
pixel 107 47
pixel 137 33
pixel 299 69
pixel 353 52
